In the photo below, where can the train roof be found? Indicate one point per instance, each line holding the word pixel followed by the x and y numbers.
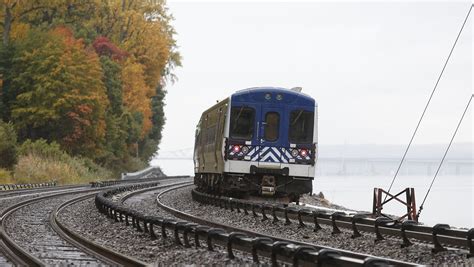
pixel 257 94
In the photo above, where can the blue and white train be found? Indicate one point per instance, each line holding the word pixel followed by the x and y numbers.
pixel 258 141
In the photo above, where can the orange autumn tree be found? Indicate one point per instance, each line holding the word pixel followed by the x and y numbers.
pixel 60 95
pixel 136 93
pixel 107 104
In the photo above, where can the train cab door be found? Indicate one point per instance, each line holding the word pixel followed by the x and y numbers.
pixel 270 137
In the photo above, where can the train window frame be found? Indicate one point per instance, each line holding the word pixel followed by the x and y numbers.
pixel 291 129
pixel 267 125
pixel 251 124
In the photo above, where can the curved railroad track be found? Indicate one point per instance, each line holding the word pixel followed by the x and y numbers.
pixel 314 252
pixel 440 236
pixel 32 234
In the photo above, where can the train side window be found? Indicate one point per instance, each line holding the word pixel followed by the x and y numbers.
pixel 301 127
pixel 242 121
pixel 272 126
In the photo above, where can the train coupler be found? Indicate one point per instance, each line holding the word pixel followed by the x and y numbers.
pixel 268 185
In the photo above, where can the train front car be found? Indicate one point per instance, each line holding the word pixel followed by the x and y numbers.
pixel 270 145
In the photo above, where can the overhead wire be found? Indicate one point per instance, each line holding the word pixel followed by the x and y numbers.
pixel 429 100
pixel 444 156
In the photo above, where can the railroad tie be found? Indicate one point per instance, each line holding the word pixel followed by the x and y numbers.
pixel 334 217
pixel 256 244
pixel 178 226
pixel 407 225
pixel 470 236
pixel 253 210
pixel 299 253
pixel 275 218
pixel 232 236
pixel 210 234
pixel 264 216
pixel 289 209
pixel 317 227
pixel 302 212
pixel 276 248
pixel 327 256
pixel 438 229
pixel 163 228
pixel 380 221
pixel 188 228
pixel 354 220
pixel 244 207
pixel 197 231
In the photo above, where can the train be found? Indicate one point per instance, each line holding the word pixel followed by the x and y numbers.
pixel 260 141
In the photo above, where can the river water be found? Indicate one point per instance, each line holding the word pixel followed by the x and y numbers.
pixel 450 200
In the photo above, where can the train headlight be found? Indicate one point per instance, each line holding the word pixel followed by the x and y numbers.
pixel 245 149
pixel 304 153
pixel 294 153
pixel 236 149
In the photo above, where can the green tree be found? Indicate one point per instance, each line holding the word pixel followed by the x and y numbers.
pixel 60 94
pixel 113 83
pixel 8 145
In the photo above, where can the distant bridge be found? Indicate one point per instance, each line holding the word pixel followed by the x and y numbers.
pixel 364 166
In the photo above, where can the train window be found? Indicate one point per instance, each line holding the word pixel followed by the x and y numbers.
pixel 242 120
pixel 301 127
pixel 272 126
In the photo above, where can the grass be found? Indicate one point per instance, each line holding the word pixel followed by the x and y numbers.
pixel 6 177
pixel 33 168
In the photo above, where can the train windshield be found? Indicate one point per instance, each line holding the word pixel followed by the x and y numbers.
pixel 301 127
pixel 242 120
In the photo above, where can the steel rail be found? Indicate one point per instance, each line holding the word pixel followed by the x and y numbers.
pixel 348 258
pixel 11 248
pixel 38 190
pixel 15 252
pixel 109 256
pixel 437 235
pixel 141 191
pixel 26 191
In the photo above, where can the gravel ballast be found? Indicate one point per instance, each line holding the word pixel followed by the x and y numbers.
pixel 389 248
pixel 125 239
pixel 29 227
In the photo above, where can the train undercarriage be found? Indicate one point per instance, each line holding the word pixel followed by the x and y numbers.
pixel 255 184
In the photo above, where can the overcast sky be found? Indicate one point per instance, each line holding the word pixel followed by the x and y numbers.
pixel 370 65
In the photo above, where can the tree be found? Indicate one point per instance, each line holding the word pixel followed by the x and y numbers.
pixel 150 145
pixel 8 145
pixel 136 93
pixel 88 74
pixel 14 10
pixel 60 94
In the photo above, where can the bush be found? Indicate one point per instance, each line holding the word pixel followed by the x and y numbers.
pixel 42 162
pixel 42 148
pixel 5 177
pixel 8 146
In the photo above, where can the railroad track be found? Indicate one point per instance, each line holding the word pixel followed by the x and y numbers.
pixel 276 249
pixel 292 249
pixel 441 236
pixel 32 234
pixel 38 190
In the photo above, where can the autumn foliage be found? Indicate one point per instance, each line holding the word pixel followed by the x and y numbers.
pixel 87 74
pixel 103 47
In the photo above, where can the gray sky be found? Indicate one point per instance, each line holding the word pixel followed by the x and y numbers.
pixel 370 65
